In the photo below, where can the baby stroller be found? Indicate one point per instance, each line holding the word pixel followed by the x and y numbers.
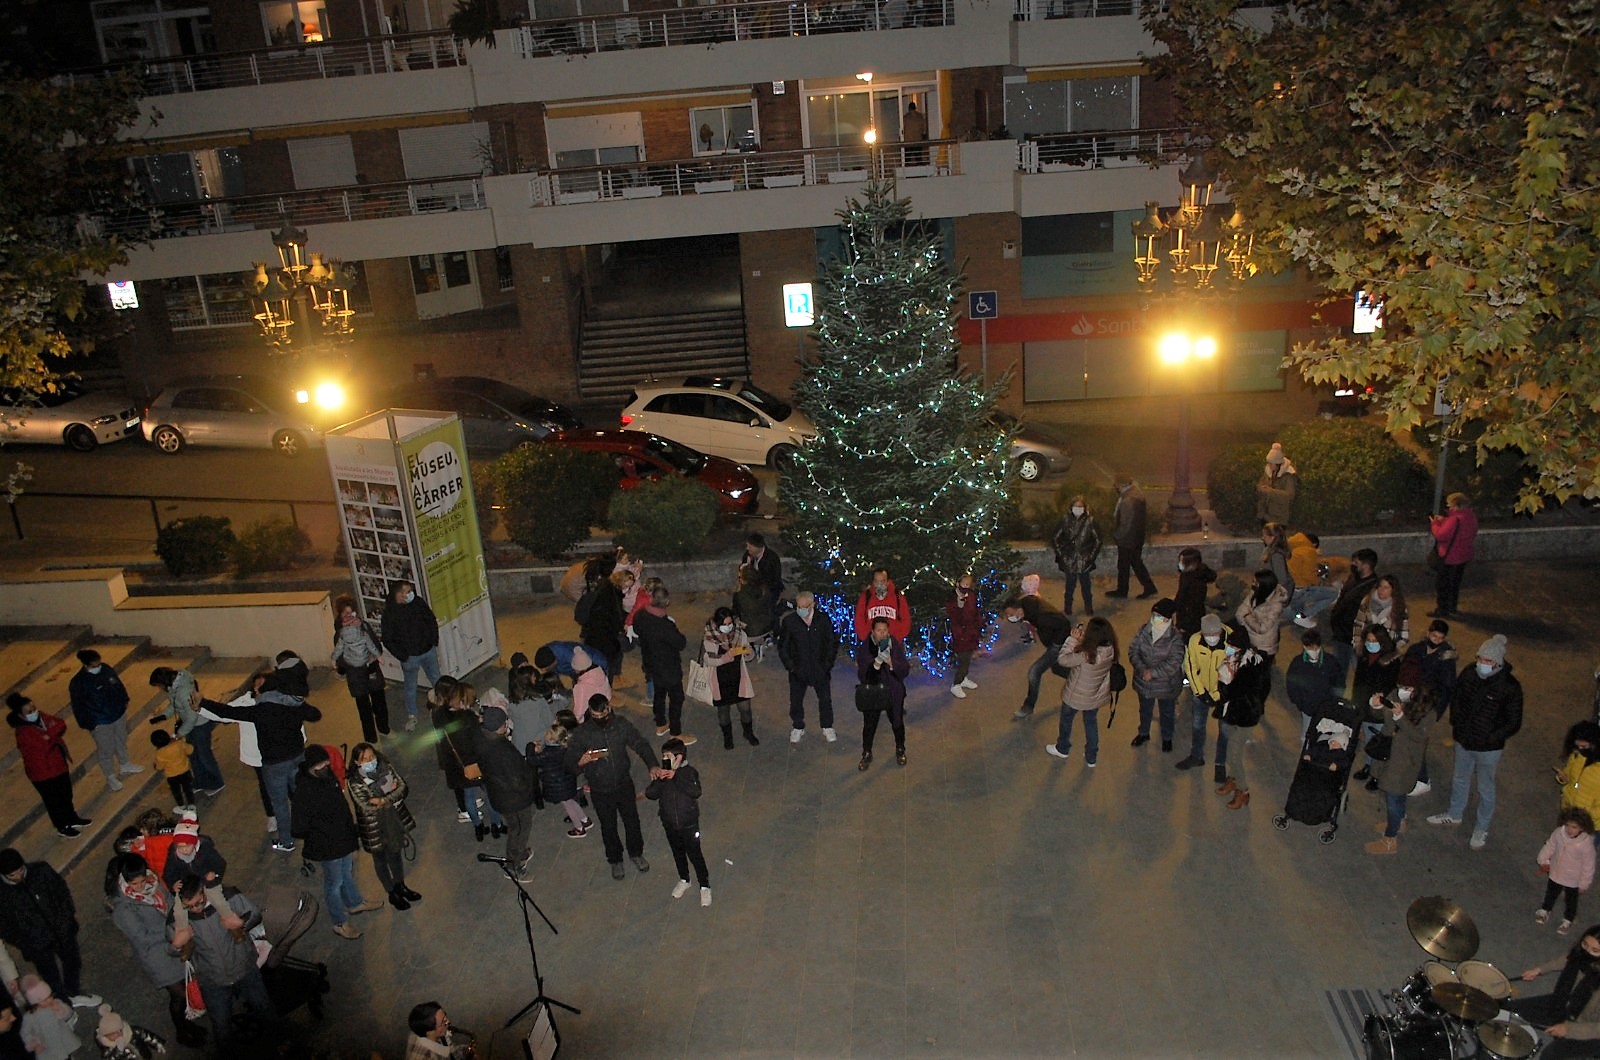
pixel 1318 792
pixel 286 915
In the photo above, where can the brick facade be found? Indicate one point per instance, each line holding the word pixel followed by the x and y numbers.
pixel 977 102
pixel 778 117
pixel 779 258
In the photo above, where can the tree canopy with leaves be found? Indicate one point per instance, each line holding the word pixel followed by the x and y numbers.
pixel 1446 158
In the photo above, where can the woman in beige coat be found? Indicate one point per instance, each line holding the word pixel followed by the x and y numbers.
pixel 1085 659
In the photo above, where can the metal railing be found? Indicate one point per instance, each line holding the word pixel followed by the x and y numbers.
pixel 311 206
pixel 716 22
pixel 1057 152
pixel 302 62
pixel 1041 10
pixel 710 174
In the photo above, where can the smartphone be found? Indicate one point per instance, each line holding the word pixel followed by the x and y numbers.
pixel 602 751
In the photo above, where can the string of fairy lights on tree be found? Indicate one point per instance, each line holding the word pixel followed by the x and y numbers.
pixel 909 470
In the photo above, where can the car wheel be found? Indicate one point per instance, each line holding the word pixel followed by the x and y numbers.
pixel 289 443
pixel 167 439
pixel 782 457
pixel 80 438
pixel 1030 467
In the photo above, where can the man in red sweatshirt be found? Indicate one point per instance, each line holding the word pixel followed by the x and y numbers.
pixel 882 600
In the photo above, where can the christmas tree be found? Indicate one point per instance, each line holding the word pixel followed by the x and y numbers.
pixel 908 470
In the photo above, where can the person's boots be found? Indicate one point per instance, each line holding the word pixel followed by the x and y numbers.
pixel 1384 844
pixel 1228 786
pixel 481 831
pixel 398 900
pixel 750 733
pixel 1241 799
pixel 727 736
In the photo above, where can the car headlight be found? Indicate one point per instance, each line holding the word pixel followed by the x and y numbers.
pixel 101 421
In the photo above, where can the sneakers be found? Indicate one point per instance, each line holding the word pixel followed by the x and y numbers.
pixel 1089 762
pixel 1422 788
pixel 525 871
pixel 411 723
pixel 958 691
pixel 69 832
pixel 1540 916
pixel 1140 740
pixel 211 793
pixel 796 735
pixel 1050 749
pixel 1188 763
pixel 1305 623
pixel 680 888
pixel 347 930
pixel 586 824
pixel 577 833
pixel 1479 840
pixel 865 763
pixel 365 907
pixel 1444 818
pixel 899 756
pixel 284 848
pixel 662 730
pixel 640 863
pixel 1384 844
pixel 113 783
pixel 688 740
pixel 1024 712
pixel 705 899
pixel 829 735
pixel 1566 926
pixel 968 683
pixel 463 817
pixel 132 768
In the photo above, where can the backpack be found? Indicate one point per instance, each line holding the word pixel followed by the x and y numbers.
pixel 1119 678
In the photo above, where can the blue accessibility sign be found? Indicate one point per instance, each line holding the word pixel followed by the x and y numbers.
pixel 983 305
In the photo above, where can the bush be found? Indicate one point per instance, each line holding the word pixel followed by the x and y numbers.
pixel 275 544
pixel 200 545
pixel 485 495
pixel 1352 475
pixel 1046 515
pixel 550 495
pixel 665 519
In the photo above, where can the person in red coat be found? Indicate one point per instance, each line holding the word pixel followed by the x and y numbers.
pixel 966 626
pixel 1454 535
pixel 882 600
pixel 42 743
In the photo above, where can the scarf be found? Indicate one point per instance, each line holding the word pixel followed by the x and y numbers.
pixel 723 641
pixel 154 896
pixel 1579 979
pixel 1378 610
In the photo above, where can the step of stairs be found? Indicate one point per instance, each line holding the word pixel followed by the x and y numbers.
pixel 25 652
pixel 619 354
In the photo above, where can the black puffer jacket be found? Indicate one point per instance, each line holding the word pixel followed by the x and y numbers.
pixel 512 782
pixel 37 913
pixel 679 798
pixel 369 818
pixel 1485 712
pixel 322 817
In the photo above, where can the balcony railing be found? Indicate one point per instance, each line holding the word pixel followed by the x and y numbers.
pixel 711 174
pixel 1039 10
pixel 740 20
pixel 312 206
pixel 308 62
pixel 1061 152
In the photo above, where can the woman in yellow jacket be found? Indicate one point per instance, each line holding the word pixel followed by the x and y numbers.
pixel 1580 777
pixel 1201 661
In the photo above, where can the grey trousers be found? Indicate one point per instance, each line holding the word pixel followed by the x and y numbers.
pixel 519 823
pixel 111 745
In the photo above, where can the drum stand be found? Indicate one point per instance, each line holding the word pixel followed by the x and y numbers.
pixel 525 900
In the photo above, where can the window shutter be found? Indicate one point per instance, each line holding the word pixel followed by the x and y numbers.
pixel 325 162
pixel 444 150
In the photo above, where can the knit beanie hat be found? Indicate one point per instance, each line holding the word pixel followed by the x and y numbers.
pixel 1275 454
pixel 188 831
pixel 494 719
pixel 1164 607
pixel 36 990
pixel 1494 649
pixel 1210 625
pixel 113 1028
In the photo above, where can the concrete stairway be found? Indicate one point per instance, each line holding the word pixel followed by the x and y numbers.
pixel 619 354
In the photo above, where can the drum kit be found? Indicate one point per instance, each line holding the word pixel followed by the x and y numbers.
pixel 1450 1008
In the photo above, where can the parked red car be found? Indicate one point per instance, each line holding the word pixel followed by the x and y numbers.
pixel 641 457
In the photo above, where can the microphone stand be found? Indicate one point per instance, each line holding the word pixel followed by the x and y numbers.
pixel 525 901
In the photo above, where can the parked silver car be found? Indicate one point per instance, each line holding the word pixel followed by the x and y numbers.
pixel 245 411
pixel 68 417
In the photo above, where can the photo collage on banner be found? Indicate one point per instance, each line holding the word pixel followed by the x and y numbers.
pixel 374 525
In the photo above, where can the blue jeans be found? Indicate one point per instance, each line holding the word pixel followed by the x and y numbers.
pixel 1345 653
pixel 1224 731
pixel 339 891
pixel 1484 764
pixel 1036 674
pixel 1395 805
pixel 1168 706
pixel 250 989
pixel 1091 732
pixel 472 795
pixel 1310 600
pixel 279 777
pixel 203 763
pixel 428 663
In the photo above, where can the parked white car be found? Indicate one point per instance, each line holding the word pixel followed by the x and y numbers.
pixel 724 417
pixel 68 417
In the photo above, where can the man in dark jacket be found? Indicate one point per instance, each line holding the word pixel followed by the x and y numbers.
pixel 1342 615
pixel 100 705
pixel 38 918
pixel 808 647
pixel 661 646
pixel 513 786
pixel 278 718
pixel 1485 712
pixel 765 564
pixel 599 750
pixel 1129 526
pixel 410 632
pixel 1439 662
pixel 1315 680
pixel 323 820
pixel 1052 626
pixel 677 795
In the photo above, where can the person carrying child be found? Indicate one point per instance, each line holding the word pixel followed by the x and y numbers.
pixel 676 789
pixel 1567 859
pixel 172 759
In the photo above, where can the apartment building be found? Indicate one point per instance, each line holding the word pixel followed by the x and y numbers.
pixel 621 188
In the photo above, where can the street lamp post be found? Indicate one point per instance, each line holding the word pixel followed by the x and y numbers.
pixel 1184 352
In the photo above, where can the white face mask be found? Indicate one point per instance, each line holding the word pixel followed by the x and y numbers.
pixel 1013 618
pixel 726 629
pixel 803 612
pixel 1158 623
pixel 1313 654
pixel 408 597
pixel 1077 509
pixel 1484 670
pixel 1404 694
pixel 96 668
pixel 1212 642
pixel 1181 567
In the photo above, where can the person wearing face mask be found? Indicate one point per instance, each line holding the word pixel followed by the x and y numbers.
pixel 1438 659
pixel 1243 681
pixel 378 793
pixel 881 660
pixel 1155 657
pixel 599 750
pixel 1315 680
pixel 1202 659
pixel 725 647
pixel 808 648
pixel 224 958
pixel 410 632
pixel 322 819
pixel 1579 773
pixel 1377 670
pixel 966 629
pixel 1570 1014
pixel 1342 627
pixel 139 904
pixel 1485 712
pixel 1128 529
pixel 42 746
pixel 356 651
pixel 1076 544
pixel 1406 716
pixel 100 706
pixel 661 645
pixel 1260 613
pixel 1385 606
pixel 1194 584
pixel 880 599
pixel 1053 628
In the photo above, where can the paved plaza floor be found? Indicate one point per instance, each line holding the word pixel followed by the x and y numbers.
pixel 985 900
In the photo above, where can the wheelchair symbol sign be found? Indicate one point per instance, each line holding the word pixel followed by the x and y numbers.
pixel 983 305
pixel 798 311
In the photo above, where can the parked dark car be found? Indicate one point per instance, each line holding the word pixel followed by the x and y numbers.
pixel 642 457
pixel 495 416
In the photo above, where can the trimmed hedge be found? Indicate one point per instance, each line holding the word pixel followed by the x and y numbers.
pixel 1352 475
pixel 551 495
pixel 1044 516
pixel 668 518
pixel 199 545
pixel 274 544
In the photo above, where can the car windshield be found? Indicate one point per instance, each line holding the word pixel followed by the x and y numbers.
pixel 773 406
pixel 686 460
pixel 505 395
pixel 20 399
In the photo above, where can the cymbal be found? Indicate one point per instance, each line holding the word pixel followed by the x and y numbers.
pixel 1441 927
pixel 1507 1040
pixel 1464 1002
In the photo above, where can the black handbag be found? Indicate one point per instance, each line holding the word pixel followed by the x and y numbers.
pixel 872 697
pixel 1380 747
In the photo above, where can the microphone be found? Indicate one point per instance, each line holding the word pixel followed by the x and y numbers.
pixel 491 858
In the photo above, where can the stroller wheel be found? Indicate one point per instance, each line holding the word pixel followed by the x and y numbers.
pixel 1327 835
pixel 1281 822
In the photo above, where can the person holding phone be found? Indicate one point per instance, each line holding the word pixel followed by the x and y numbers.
pixel 725 648
pixel 599 750
pixel 677 794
